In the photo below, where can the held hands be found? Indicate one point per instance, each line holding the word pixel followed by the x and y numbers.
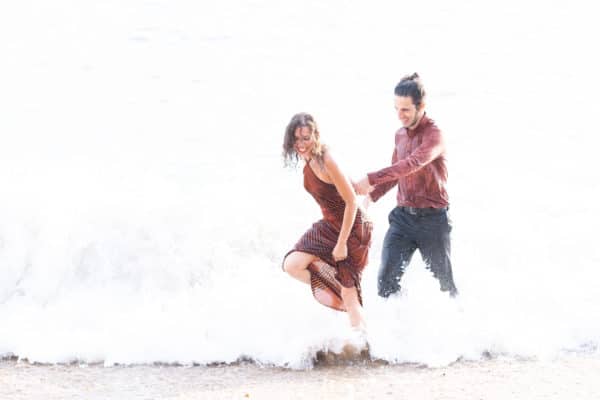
pixel 362 187
pixel 340 251
pixel 366 202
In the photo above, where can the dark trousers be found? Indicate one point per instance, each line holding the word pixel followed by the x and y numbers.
pixel 410 229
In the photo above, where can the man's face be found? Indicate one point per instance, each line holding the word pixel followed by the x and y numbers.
pixel 408 113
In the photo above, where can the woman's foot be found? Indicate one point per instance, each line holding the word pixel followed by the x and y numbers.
pixel 357 343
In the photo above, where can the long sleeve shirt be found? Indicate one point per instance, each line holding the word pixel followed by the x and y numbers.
pixel 418 168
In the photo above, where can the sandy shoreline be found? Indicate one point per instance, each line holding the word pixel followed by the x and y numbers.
pixel 570 377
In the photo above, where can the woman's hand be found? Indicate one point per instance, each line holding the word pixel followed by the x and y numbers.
pixel 340 252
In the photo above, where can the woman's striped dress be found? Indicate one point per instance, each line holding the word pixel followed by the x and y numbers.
pixel 327 276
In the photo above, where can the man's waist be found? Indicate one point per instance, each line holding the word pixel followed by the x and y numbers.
pixel 423 211
pixel 422 199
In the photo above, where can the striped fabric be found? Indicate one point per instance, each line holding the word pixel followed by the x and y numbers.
pixel 327 276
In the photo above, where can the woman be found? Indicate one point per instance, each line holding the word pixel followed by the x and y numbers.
pixel 331 255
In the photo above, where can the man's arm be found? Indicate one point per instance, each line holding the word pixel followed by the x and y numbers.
pixel 379 190
pixel 430 149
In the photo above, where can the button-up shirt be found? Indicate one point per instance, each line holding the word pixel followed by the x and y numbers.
pixel 418 168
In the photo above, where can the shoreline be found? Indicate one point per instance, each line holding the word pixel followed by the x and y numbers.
pixel 566 377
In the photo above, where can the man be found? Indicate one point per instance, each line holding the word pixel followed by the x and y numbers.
pixel 420 221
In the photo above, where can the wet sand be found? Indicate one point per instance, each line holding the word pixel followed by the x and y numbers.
pixel 570 377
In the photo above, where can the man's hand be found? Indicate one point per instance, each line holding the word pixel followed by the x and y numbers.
pixel 362 187
pixel 366 202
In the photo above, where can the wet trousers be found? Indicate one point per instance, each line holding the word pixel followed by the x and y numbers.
pixel 426 229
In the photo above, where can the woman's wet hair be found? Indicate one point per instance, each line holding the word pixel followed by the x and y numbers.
pixel 300 120
pixel 411 85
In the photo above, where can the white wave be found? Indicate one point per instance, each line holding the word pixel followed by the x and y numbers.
pixel 144 210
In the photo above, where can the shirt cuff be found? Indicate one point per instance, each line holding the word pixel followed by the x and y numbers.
pixel 371 178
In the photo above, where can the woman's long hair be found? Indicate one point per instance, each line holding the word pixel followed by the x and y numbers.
pixel 300 120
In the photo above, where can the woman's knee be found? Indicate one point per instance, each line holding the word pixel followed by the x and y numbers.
pixel 293 263
pixel 289 266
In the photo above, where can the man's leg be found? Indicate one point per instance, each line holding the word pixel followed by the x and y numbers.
pixel 396 254
pixel 434 245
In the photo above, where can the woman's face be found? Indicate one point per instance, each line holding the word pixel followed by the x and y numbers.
pixel 305 141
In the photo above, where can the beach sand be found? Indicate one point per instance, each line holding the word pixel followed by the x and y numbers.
pixel 567 377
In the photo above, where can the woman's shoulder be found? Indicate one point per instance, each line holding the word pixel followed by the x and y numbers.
pixel 331 163
pixel 328 156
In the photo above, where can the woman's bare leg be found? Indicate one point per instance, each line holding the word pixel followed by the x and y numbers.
pixel 353 307
pixel 296 264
